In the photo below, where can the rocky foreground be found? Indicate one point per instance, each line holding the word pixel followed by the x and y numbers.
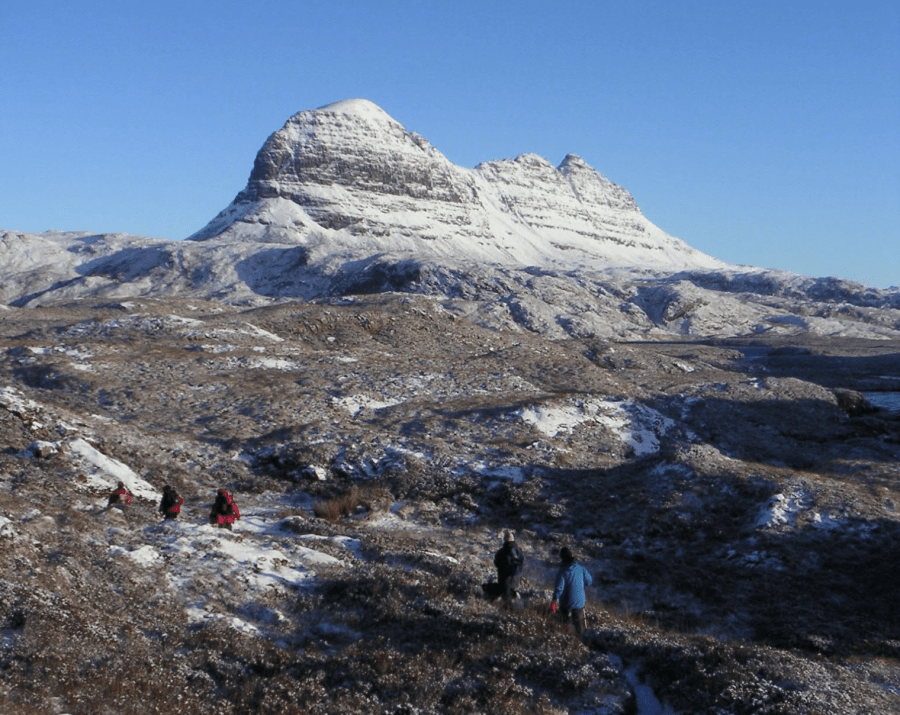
pixel 736 501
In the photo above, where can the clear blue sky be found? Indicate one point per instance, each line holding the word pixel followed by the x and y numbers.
pixel 765 133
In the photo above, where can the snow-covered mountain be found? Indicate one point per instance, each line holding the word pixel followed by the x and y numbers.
pixel 349 177
pixel 344 200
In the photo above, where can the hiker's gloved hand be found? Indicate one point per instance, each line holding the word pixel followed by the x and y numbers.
pixel 553 606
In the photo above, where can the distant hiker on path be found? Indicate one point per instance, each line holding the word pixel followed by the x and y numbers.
pixel 224 510
pixel 120 497
pixel 170 504
pixel 509 561
pixel 569 592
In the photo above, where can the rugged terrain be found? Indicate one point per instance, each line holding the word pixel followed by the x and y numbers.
pixel 736 500
pixel 390 361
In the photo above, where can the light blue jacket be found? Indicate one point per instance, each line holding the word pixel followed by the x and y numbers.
pixel 570 583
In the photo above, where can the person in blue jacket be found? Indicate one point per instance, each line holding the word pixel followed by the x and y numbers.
pixel 568 595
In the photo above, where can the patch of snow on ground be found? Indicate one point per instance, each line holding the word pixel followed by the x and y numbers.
pixel 107 472
pixel 263 364
pixel 354 404
pixel 264 559
pixel 637 425
pixel 553 420
pixel 256 331
pixel 143 556
pixel 503 472
pixel 647 426
pixel 214 564
pixel 783 509
pixel 824 521
pixel 16 402
pixel 225 348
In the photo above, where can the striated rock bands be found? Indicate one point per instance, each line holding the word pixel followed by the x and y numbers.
pixel 349 167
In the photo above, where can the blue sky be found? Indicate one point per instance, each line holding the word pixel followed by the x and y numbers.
pixel 763 133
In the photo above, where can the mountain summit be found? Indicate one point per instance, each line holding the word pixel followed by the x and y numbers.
pixel 349 178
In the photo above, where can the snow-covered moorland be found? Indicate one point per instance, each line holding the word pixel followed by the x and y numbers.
pixel 734 501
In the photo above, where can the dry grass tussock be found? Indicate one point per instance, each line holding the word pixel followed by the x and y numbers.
pixel 369 500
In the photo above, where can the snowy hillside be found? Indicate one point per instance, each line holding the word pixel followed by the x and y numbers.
pixel 40 269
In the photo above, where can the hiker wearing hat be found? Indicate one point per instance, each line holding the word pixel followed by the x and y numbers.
pixel 568 595
pixel 509 561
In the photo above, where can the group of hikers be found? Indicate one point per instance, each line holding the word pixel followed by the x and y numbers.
pixel 224 511
pixel 568 592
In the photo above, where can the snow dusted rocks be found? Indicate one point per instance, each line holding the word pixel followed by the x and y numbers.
pixel 738 516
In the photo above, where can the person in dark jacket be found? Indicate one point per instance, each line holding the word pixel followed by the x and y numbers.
pixel 120 497
pixel 509 561
pixel 224 511
pixel 170 504
pixel 568 595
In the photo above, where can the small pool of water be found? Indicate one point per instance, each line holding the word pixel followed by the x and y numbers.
pixel 885 400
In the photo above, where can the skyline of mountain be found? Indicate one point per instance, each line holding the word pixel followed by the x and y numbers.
pixel 344 201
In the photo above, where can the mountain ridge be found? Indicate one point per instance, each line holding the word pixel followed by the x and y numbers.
pixel 350 168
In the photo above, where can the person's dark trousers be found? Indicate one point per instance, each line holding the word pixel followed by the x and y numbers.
pixel 508 587
pixel 575 616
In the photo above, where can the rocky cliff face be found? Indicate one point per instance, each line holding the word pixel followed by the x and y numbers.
pixel 348 176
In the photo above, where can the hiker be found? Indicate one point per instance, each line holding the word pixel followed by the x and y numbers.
pixel 509 561
pixel 170 504
pixel 568 595
pixel 224 510
pixel 120 497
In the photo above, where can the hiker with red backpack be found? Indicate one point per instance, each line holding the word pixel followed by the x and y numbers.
pixel 224 510
pixel 170 504
pixel 120 497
